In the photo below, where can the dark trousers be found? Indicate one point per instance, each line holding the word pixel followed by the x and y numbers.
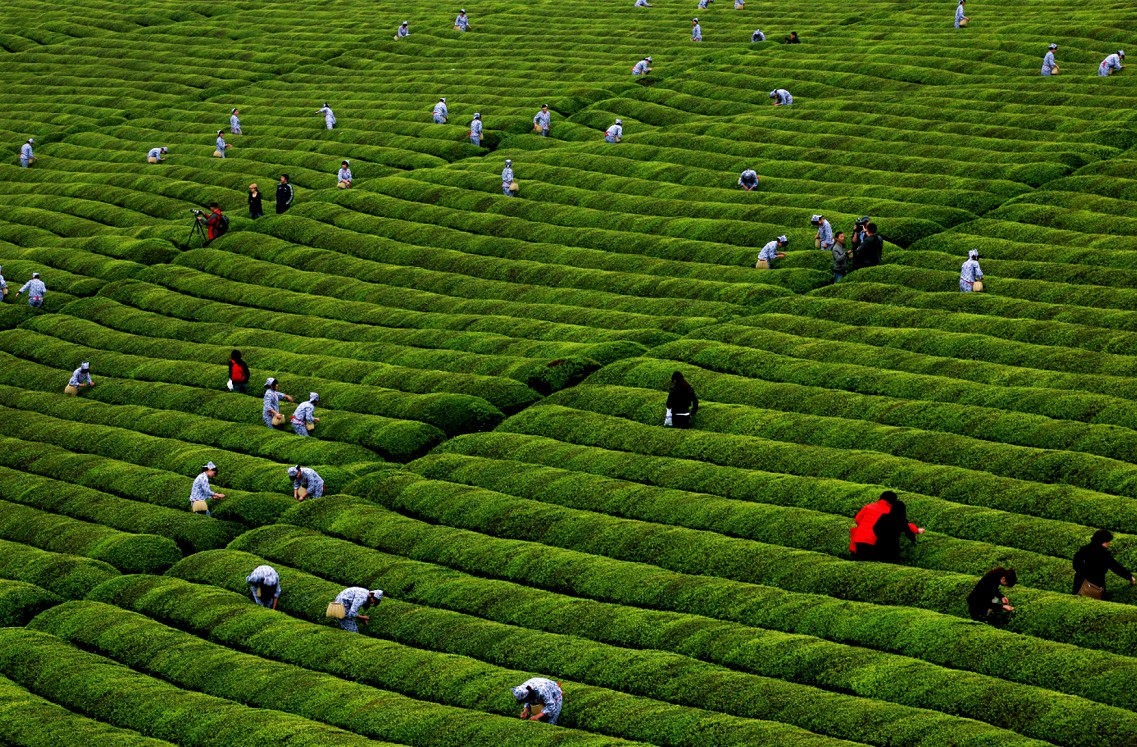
pixel 680 421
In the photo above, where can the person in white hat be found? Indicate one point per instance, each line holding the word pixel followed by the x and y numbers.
pixel 329 116
pixel 970 272
pixel 355 599
pixel 770 251
pixel 507 178
pixel 705 4
pixel 615 133
pixel 462 23
pixel 156 155
pixel 696 30
pixel 272 401
pixel 960 18
pixel 642 4
pixel 1049 66
pixel 36 291
pixel 748 180
pixel 643 67
pixel 264 584
pixel 757 36
pixel 403 32
pixel 543 693
pixel 308 479
pixel 441 113
pixel 343 178
pixel 781 97
pixel 201 490
pixel 27 157
pixel 476 129
pixel 234 122
pixel 3 286
pixel 222 146
pixel 304 415
pixel 1107 66
pixel 81 378
pixel 824 232
pixel 543 120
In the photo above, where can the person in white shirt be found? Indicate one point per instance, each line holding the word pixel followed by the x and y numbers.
pixel 615 133
pixel 344 176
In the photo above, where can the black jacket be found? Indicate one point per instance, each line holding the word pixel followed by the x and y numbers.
pixel 888 529
pixel 682 399
pixel 284 196
pixel 985 598
pixel 255 208
pixel 1090 564
pixel 869 252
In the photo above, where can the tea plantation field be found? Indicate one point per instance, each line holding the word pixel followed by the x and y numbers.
pixel 492 373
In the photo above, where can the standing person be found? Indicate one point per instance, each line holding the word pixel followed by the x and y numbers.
pixel 343 178
pixel 238 373
pixel 36 291
pixel 840 257
pixel 793 38
pixel 1049 66
pixel 859 232
pixel 1092 561
pixel 156 155
pixel 27 157
pixel 264 584
pixel 256 208
pixel 508 184
pixel 970 273
pixel 201 492
pixel 986 602
pixel 80 380
pixel 271 410
pixel 824 232
pixel 739 4
pixel 696 30
pixel 462 23
pixel 869 252
pixel 542 121
pixel 476 129
pixel 757 36
pixel 643 67
pixel 770 252
pixel 748 180
pixel 303 418
pixel 1106 68
pixel 543 693
pixel 306 483
pixel 877 527
pixel 960 19
pixel 234 122
pixel 615 133
pixel 781 97
pixel 284 194
pixel 222 146
pixel 3 286
pixel 440 112
pixel 329 116
pixel 355 599
pixel 682 403
pixel 705 4
pixel 403 32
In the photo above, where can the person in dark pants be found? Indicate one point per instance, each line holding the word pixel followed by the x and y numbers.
pixel 682 404
pixel 238 373
pixel 840 257
pixel 877 529
pixel 213 224
pixel 284 194
pixel 868 252
pixel 1092 561
pixel 256 209
pixel 986 602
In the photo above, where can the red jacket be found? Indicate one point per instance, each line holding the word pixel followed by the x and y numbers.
pixel 864 532
pixel 211 224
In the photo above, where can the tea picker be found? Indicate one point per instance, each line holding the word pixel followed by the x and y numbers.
pixel 539 693
pixel 234 122
pixel 615 133
pixel 642 4
pixel 960 19
pixel 329 117
pixel 476 129
pixel 403 32
pixel 156 155
pixel 757 36
pixel 770 253
pixel 264 584
pixel 643 67
pixel 348 604
pixel 303 421
pixel 781 97
pixel 440 112
pixel 508 184
pixel 824 232
pixel 462 23
pixel 748 180
pixel 271 413
pixel 877 527
pixel 80 380
pixel 222 146
pixel 696 30
pixel 986 602
pixel 343 177
pixel 27 157
pixel 970 276
pixel 3 285
pixel 1049 66
pixel 1106 68
pixel 201 492
pixel 36 291
pixel 542 121
pixel 1091 563
pixel 306 483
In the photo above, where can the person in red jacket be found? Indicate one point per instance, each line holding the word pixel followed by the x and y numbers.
pixel 238 373
pixel 876 535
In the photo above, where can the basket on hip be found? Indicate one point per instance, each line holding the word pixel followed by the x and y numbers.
pixel 336 611
pixel 199 507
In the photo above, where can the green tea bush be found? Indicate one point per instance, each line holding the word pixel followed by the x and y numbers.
pixel 69 576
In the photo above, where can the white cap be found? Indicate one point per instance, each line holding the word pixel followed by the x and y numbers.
pixel 294 471
pixel 33 140
pixel 234 111
pixel 404 23
pixel 508 162
pixel 1054 46
pixel 377 593
pixel 84 365
pixel 648 58
pixel 35 274
pixel 619 121
pixel 973 254
pixel 783 239
pixel 313 397
pixel 1120 52
pixel 270 381
pixel 443 99
pixel 815 219
pixel 209 465
pixel 477 115
pixel 694 20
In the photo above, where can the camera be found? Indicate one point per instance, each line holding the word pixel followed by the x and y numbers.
pixel 195 211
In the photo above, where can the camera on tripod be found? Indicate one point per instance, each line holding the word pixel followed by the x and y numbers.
pixel 195 211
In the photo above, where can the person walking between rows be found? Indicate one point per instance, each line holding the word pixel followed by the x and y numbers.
pixel 284 194
pixel 256 205
pixel 476 129
pixel 781 97
pixel 303 418
pixel 538 692
pixel 682 403
pixel 770 253
pixel 705 4
pixel 643 67
pixel 271 413
pixel 970 274
pixel 80 380
pixel 440 112
pixel 1106 68
pixel 696 30
pixel 222 146
pixel 824 232
pixel 27 157
pixel 353 601
pixel 343 177
pixel 238 373
pixel 615 133
pixel 156 155
pixel 840 257
pixel 986 602
pixel 306 483
pixel 201 492
pixel 234 122
pixel 462 23
pixel 329 116
pixel 877 528
pixel 1091 563
pixel 3 286
pixel 508 184
pixel 1049 66
pixel 264 585
pixel 36 291
pixel 960 19
pixel 748 180
pixel 542 121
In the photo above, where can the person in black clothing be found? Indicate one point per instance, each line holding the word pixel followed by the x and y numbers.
pixel 868 252
pixel 890 527
pixel 238 372
pixel 256 210
pixel 682 404
pixel 792 38
pixel 986 602
pixel 858 233
pixel 1092 561
pixel 284 194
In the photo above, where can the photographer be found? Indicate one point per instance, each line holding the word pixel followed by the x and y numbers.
pixel 215 223
pixel 868 252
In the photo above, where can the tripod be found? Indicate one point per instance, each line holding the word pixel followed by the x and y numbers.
pixel 197 229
